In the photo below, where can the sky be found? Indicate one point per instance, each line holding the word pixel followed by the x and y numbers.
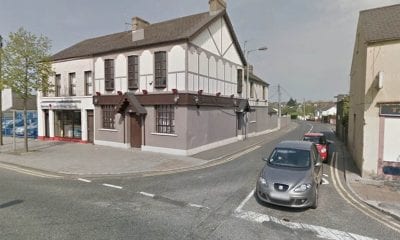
pixel 310 42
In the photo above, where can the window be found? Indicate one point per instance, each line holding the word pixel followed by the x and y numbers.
pixel 88 83
pixel 133 72
pixel 165 119
pixel 251 90
pixel 57 85
pixel 239 81
pixel 160 65
pixel 67 124
pixel 109 74
pixel 264 93
pixel 72 84
pixel 108 116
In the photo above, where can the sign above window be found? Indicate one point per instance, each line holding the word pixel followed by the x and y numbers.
pixel 390 110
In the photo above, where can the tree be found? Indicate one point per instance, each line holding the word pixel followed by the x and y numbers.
pixel 291 103
pixel 27 67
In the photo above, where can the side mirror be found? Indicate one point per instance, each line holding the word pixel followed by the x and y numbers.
pixel 265 159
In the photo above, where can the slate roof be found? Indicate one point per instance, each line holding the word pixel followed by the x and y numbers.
pixel 381 24
pixel 179 29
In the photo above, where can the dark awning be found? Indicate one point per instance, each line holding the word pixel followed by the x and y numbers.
pixel 130 104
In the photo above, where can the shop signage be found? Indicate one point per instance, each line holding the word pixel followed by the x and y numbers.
pixel 59 105
pixel 390 110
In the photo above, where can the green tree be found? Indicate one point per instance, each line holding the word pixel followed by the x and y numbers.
pixel 27 67
pixel 291 103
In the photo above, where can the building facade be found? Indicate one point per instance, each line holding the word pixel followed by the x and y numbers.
pixel 175 87
pixel 374 116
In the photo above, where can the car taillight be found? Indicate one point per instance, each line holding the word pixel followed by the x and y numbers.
pixel 323 150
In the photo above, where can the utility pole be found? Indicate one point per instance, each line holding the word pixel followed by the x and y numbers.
pixel 279 106
pixel 304 108
pixel 1 92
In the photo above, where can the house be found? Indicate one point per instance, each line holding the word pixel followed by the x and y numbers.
pixel 176 87
pixel 329 114
pixel 374 115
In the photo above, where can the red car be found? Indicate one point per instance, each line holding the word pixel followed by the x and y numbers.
pixel 322 144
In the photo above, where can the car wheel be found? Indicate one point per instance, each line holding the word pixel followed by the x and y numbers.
pixel 315 203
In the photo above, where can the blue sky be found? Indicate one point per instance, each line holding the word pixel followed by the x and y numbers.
pixel 310 42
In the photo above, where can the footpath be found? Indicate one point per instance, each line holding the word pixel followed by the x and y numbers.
pixel 71 160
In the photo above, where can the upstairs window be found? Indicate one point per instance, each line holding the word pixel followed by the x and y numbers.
pixel 251 90
pixel 72 84
pixel 88 83
pixel 239 81
pixel 160 65
pixel 57 85
pixel 165 119
pixel 133 72
pixel 108 116
pixel 264 92
pixel 109 74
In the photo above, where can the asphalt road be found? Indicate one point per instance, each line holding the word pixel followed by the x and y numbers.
pixel 211 203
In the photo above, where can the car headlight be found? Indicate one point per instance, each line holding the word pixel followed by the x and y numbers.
pixel 262 181
pixel 323 150
pixel 303 187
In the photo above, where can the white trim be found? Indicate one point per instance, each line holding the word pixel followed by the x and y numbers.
pixel 107 130
pixel 112 144
pixel 189 152
pixel 163 134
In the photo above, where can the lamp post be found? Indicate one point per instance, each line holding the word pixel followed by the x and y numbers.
pixel 1 93
pixel 247 67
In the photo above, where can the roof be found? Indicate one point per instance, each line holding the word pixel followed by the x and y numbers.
pixel 381 24
pixel 130 102
pixel 175 30
pixel 301 145
pixel 255 78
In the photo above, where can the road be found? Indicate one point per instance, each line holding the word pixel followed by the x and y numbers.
pixel 211 203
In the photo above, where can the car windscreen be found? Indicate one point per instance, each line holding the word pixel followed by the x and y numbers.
pixel 311 139
pixel 285 157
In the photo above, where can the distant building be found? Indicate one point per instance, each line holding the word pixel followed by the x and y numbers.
pixel 374 117
pixel 176 86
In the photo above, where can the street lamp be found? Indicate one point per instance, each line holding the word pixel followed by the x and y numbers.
pixel 247 67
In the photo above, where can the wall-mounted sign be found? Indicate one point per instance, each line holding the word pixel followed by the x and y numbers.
pixel 60 105
pixel 390 110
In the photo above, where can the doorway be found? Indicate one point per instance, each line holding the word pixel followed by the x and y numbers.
pixel 136 130
pixel 90 126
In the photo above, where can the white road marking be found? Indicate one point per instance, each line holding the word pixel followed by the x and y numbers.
pixel 312 126
pixel 28 172
pixel 84 180
pixel 355 203
pixel 243 152
pixel 197 205
pixel 239 208
pixel 112 186
pixel 325 175
pixel 147 194
pixel 321 232
pixel 324 181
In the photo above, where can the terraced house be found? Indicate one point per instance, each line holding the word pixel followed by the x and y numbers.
pixel 176 86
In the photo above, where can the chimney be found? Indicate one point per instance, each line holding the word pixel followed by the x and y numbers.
pixel 216 6
pixel 138 26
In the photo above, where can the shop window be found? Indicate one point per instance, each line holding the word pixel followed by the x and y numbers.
pixel 165 119
pixel 67 124
pixel 108 116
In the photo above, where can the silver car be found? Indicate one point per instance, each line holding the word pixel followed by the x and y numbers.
pixel 291 176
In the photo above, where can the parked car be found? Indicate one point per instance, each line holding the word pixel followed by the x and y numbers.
pixel 291 176
pixel 322 144
pixel 31 130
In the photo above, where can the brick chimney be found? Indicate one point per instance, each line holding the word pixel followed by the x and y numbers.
pixel 216 6
pixel 138 26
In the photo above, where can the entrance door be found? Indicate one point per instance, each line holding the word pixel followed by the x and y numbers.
pixel 136 131
pixel 46 124
pixel 90 126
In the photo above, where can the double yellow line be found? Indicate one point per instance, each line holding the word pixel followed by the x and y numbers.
pixel 356 203
pixel 28 172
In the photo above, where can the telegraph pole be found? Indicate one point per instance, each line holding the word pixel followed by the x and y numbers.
pixel 304 108
pixel 1 92
pixel 279 106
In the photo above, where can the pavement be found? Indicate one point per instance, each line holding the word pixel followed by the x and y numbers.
pixel 87 160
